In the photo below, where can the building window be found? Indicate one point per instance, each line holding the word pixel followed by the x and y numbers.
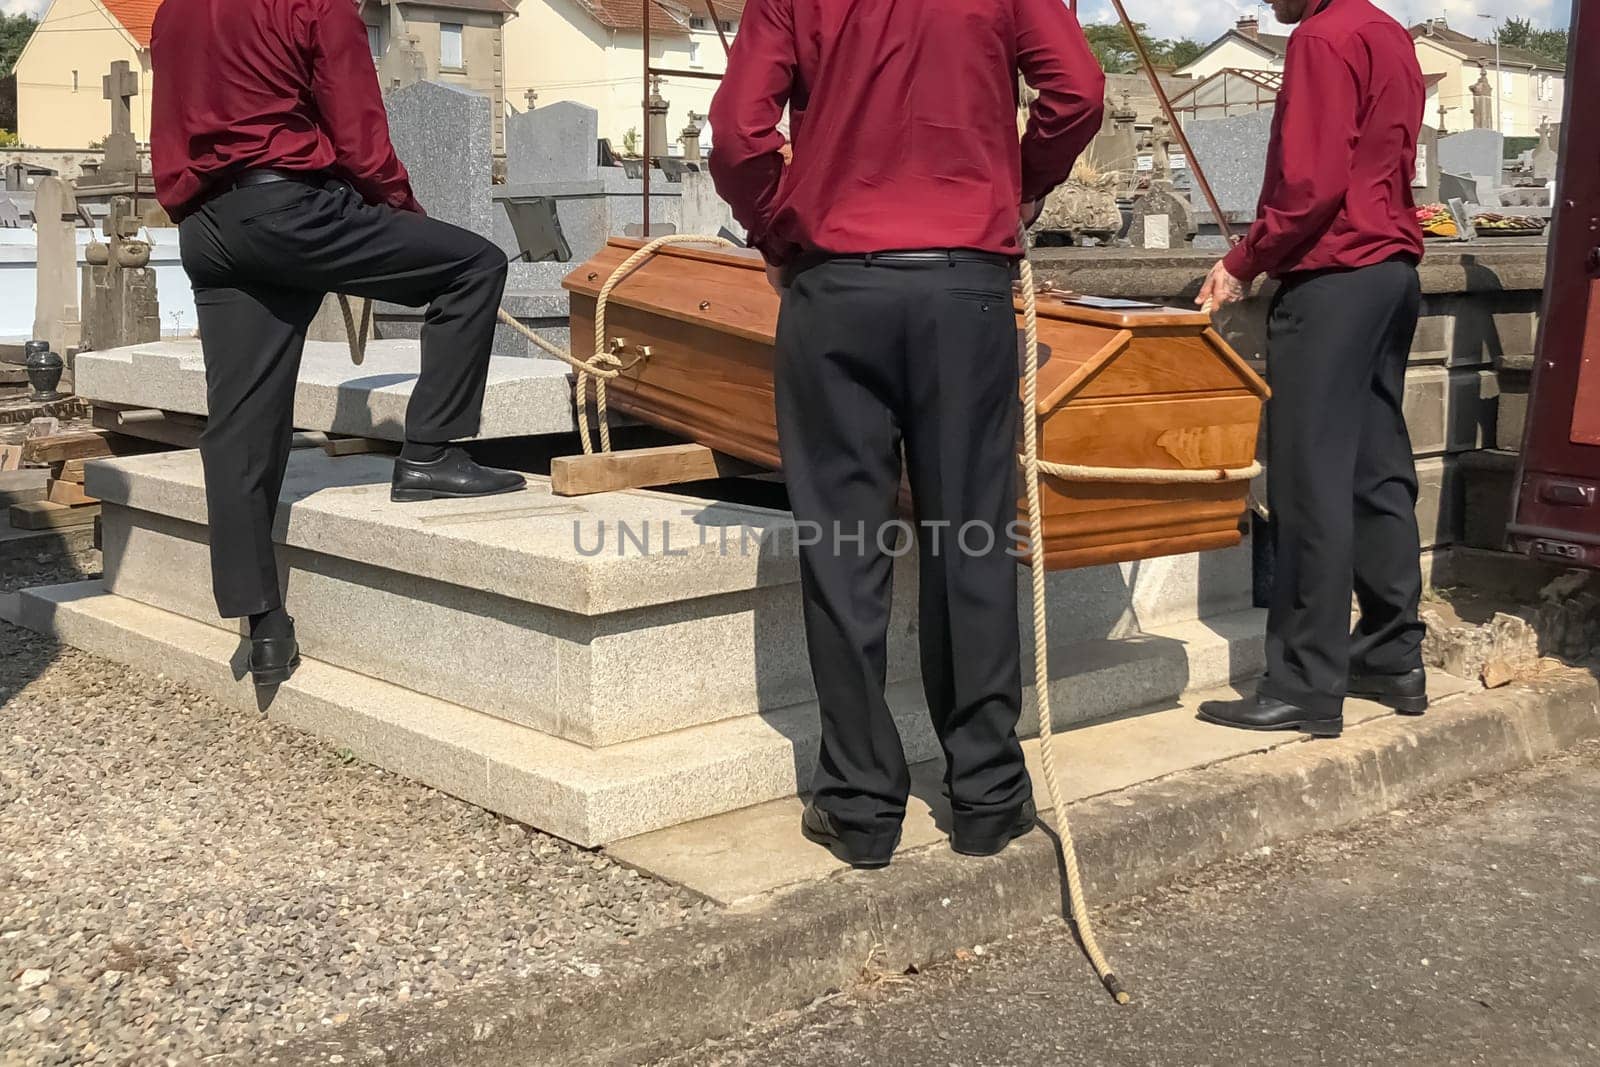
pixel 1546 87
pixel 450 46
pixel 375 42
pixel 694 54
pixel 727 27
pixel 698 22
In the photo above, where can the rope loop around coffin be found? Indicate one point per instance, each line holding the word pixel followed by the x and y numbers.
pixel 594 372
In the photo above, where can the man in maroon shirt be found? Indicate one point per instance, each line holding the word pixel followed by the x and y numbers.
pixel 271 149
pixel 1337 228
pixel 893 233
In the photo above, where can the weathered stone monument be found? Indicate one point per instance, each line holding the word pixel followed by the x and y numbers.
pixel 120 305
pixel 1162 218
pixel 1547 154
pixel 1115 147
pixel 121 165
pixel 657 123
pixel 1482 100
pixel 55 212
pixel 690 138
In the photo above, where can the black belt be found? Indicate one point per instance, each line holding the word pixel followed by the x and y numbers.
pixel 267 176
pixel 926 257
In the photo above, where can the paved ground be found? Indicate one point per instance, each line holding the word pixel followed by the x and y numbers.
pixel 179 880
pixel 1463 931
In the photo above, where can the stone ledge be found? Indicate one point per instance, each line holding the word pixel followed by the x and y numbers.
pixel 586 795
pixel 524 397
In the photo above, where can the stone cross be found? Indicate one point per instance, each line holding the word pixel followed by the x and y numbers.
pixel 532 96
pixel 120 87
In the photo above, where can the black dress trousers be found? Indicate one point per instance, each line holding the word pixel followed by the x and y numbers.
pixel 872 358
pixel 1342 483
pixel 261 259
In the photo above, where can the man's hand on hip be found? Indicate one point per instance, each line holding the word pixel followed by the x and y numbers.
pixel 1221 288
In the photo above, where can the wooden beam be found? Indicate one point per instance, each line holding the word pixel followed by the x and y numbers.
pixel 608 472
pixel 70 494
pixel 81 444
pixel 359 446
pixel 43 515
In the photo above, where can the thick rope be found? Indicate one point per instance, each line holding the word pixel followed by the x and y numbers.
pixel 1074 472
pixel 358 337
pixel 1041 644
pixel 604 365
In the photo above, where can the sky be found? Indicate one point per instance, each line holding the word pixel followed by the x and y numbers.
pixel 1205 20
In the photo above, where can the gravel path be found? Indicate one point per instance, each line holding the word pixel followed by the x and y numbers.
pixel 180 880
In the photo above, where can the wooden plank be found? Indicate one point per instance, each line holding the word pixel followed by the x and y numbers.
pixel 609 472
pixel 69 471
pixel 81 444
pixel 360 446
pixel 70 494
pixel 43 515
pixel 176 430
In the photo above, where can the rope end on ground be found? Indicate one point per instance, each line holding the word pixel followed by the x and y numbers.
pixel 1114 987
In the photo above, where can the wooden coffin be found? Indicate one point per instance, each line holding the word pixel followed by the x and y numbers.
pixel 1155 388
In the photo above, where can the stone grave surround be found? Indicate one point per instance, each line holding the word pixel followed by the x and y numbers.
pixel 527 655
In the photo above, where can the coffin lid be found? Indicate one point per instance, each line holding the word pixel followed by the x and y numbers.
pixel 726 290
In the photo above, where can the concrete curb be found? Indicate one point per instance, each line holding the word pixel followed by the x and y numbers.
pixel 670 990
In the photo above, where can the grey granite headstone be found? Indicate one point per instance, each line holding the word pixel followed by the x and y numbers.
pixel 1425 184
pixel 555 143
pixel 10 215
pixel 1233 153
pixel 1161 219
pixel 1480 153
pixel 444 136
pixel 1457 187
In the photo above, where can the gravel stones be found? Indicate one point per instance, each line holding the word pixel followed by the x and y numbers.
pixel 182 881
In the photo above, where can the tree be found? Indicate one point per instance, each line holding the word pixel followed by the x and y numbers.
pixel 14 33
pixel 1113 47
pixel 1519 32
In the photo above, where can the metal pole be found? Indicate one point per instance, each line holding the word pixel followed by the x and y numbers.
pixel 644 108
pixel 1499 86
pixel 1177 127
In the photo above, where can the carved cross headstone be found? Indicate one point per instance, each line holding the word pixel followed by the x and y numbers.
pixel 691 138
pixel 122 150
pixel 657 126
pixel 1482 102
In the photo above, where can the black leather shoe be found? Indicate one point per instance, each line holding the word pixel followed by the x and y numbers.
pixel 1266 713
pixel 273 659
pixel 1406 693
pixel 973 841
pixel 820 828
pixel 454 474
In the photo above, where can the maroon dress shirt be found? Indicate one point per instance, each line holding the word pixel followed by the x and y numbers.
pixel 287 84
pixel 1337 192
pixel 903 117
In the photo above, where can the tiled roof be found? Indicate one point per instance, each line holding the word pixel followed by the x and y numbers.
pixel 136 16
pixel 666 16
pixel 1484 51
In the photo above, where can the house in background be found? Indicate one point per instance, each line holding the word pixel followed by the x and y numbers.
pixel 592 51
pixel 1530 91
pixel 59 99
pixel 1244 47
pixel 455 42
